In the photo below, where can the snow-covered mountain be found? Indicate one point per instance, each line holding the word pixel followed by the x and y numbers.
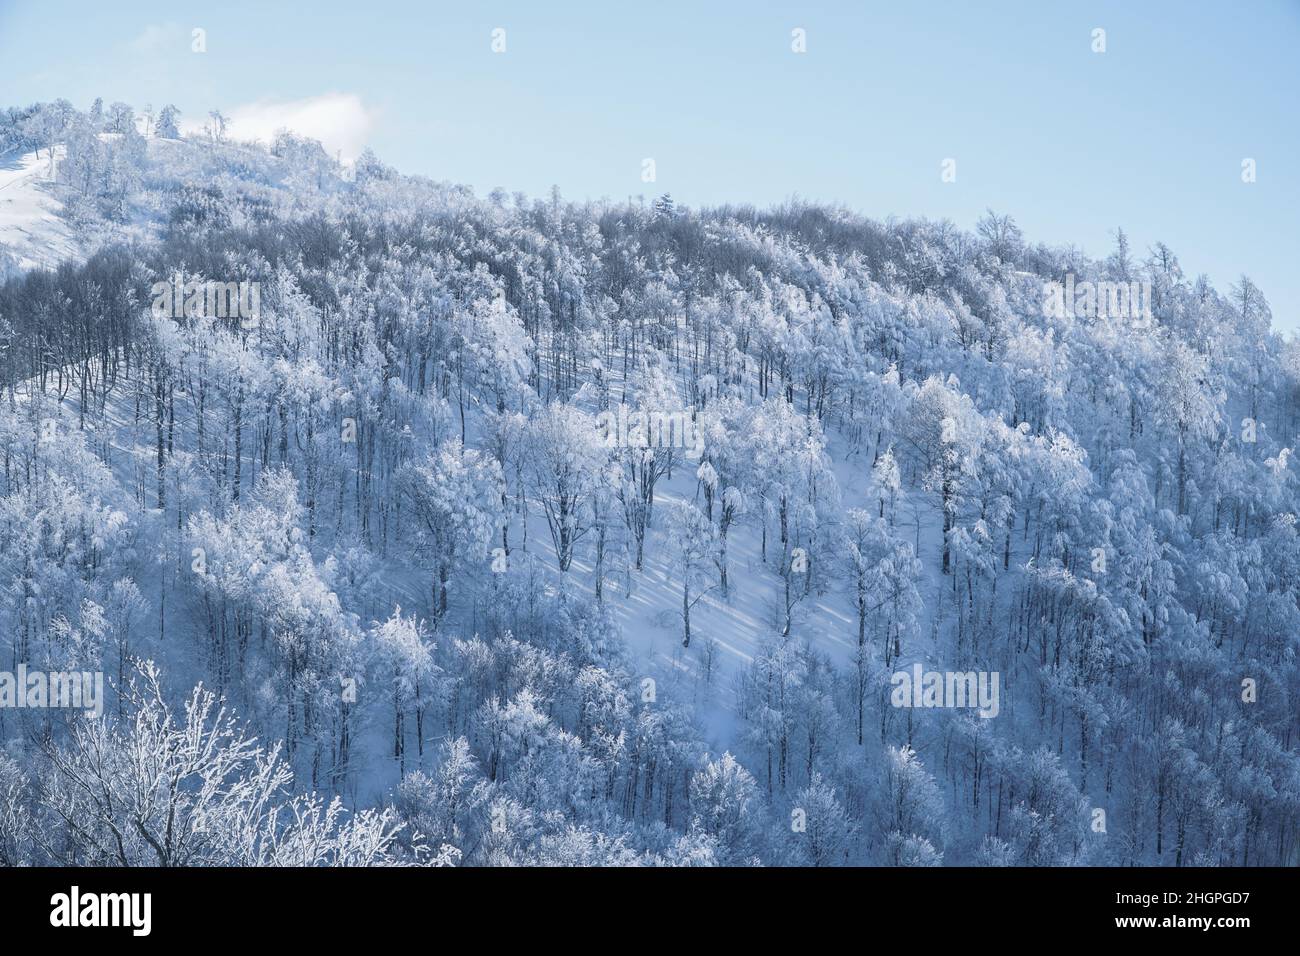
pixel 487 530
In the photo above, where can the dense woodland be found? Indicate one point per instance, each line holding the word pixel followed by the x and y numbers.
pixel 368 587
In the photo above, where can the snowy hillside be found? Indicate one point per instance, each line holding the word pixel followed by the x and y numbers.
pixel 31 231
pixel 403 525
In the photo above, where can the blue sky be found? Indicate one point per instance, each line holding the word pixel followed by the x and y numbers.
pixel 1149 135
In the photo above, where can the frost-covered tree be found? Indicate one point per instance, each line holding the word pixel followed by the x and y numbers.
pixel 566 460
pixel 167 127
pixel 166 789
pixel 455 498
pixel 694 542
pixel 726 805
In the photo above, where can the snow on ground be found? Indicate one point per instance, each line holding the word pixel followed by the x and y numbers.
pixel 31 229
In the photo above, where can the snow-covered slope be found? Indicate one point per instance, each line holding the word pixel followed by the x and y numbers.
pixel 31 230
pixel 374 519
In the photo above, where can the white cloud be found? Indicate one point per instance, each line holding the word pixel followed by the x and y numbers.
pixel 339 120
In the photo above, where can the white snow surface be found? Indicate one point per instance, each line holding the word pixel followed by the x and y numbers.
pixel 32 231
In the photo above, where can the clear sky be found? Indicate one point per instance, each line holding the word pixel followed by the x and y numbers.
pixel 1149 135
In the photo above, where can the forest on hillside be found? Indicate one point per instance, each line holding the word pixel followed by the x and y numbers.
pixel 521 531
